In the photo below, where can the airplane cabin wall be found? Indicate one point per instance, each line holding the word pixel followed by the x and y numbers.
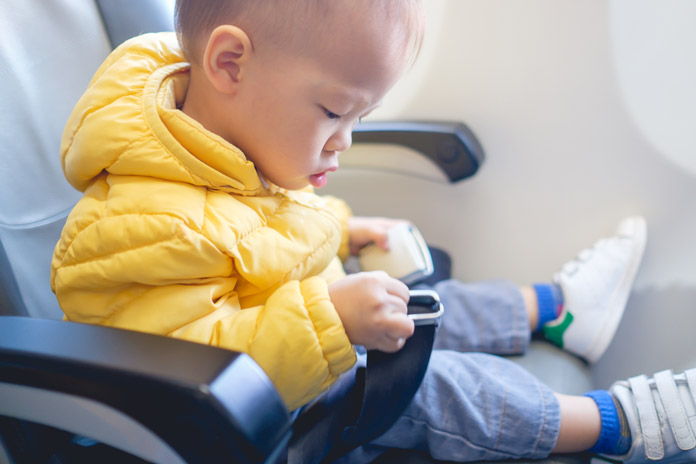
pixel 586 113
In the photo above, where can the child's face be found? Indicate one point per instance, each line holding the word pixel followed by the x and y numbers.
pixel 299 110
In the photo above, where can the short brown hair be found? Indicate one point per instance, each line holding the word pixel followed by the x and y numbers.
pixel 278 20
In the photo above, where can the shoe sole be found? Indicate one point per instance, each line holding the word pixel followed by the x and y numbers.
pixel 617 305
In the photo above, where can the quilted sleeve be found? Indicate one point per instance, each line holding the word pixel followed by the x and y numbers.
pixel 296 337
pixel 153 274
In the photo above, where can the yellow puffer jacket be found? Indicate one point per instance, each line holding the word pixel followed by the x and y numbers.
pixel 177 234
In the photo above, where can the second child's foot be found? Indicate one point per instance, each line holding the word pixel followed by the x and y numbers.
pixel 596 286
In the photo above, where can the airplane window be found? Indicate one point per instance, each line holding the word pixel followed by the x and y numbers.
pixel 654 53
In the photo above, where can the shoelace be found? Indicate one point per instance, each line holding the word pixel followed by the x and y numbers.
pixel 667 392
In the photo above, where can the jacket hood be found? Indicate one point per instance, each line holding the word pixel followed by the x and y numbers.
pixel 127 123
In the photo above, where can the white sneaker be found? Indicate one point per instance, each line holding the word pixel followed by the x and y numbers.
pixel 595 286
pixel 661 414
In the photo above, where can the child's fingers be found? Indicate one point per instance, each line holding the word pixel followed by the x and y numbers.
pixel 381 232
pixel 395 340
pixel 389 344
pixel 390 223
pixel 398 289
pixel 399 325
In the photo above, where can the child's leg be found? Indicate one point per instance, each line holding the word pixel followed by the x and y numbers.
pixel 581 424
pixel 486 317
pixel 475 406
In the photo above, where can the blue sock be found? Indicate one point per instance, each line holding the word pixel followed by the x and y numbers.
pixel 550 300
pixel 615 436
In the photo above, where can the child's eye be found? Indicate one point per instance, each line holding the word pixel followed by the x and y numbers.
pixel 331 114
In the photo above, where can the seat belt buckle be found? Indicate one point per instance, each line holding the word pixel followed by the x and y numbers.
pixel 425 307
pixel 408 258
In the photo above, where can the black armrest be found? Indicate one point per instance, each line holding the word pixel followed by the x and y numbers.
pixel 452 146
pixel 206 403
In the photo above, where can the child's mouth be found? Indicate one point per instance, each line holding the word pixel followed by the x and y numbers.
pixel 318 180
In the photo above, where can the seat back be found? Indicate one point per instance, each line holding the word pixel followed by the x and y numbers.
pixel 48 53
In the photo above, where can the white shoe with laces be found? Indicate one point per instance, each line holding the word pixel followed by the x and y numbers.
pixel 661 414
pixel 596 286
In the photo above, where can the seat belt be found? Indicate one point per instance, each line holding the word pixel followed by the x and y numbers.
pixel 391 381
pixel 360 408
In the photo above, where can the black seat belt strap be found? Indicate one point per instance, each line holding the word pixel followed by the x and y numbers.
pixel 362 407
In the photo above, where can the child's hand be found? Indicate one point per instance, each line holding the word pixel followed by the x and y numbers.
pixel 365 230
pixel 373 307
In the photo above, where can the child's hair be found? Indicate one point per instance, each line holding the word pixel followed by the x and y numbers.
pixel 284 21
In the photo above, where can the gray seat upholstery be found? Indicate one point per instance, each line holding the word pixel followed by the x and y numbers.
pixel 48 53
pixel 44 71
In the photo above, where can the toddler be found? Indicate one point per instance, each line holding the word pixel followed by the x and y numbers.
pixel 198 157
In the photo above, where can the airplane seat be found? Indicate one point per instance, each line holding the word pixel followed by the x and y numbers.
pixel 52 373
pixel 80 393
pixel 44 72
pixel 48 53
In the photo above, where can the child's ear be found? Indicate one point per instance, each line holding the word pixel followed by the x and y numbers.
pixel 226 53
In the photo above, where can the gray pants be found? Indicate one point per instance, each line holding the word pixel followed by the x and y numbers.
pixel 473 403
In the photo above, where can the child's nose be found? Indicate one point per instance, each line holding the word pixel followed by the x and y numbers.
pixel 341 140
